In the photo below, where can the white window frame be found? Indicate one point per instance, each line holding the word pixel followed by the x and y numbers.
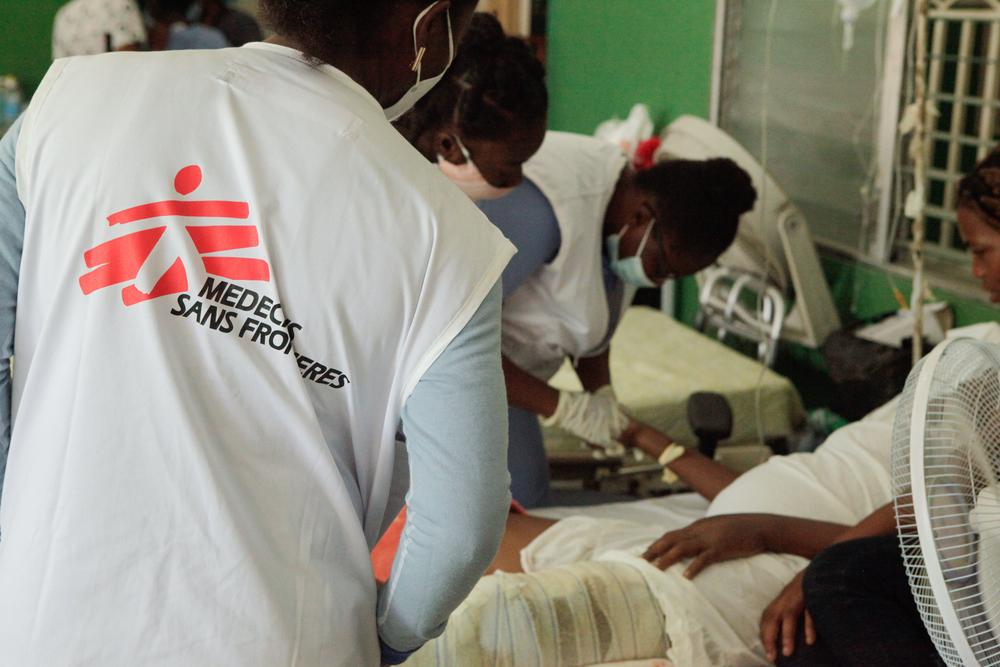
pixel 884 250
pixel 942 15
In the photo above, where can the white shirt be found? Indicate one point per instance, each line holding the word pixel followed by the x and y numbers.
pixel 563 310
pixel 212 362
pixel 82 27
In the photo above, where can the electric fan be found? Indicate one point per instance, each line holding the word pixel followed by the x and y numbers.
pixel 945 462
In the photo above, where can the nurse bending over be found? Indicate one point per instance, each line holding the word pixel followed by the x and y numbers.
pixel 590 230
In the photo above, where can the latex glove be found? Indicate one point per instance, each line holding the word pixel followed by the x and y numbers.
pixel 596 417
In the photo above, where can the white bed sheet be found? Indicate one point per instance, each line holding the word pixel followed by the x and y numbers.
pixel 675 511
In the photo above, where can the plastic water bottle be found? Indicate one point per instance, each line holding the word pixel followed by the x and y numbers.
pixel 11 101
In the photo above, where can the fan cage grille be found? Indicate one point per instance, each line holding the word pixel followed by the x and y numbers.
pixel 960 462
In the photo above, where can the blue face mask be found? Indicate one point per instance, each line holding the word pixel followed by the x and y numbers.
pixel 629 269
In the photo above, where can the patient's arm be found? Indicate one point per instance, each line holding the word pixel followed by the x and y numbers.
pixel 781 618
pixel 731 536
pixel 702 474
pixel 880 522
pixel 699 472
pixel 721 538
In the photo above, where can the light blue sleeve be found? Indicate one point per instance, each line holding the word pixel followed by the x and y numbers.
pixel 456 434
pixel 11 240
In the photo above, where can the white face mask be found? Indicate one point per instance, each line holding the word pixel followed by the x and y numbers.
pixel 629 269
pixel 421 87
pixel 468 178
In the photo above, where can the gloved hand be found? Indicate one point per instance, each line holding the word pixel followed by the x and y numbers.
pixel 596 417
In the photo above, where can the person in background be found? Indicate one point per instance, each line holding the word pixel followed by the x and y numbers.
pixel 173 30
pixel 89 27
pixel 853 605
pixel 225 297
pixel 488 115
pixel 238 27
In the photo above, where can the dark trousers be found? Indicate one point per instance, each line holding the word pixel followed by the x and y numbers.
pixel 863 611
pixel 526 460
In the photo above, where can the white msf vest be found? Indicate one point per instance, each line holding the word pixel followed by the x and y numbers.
pixel 234 273
pixel 562 310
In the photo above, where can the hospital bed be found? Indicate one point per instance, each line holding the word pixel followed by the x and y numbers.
pixel 712 621
pixel 657 363
pixel 587 599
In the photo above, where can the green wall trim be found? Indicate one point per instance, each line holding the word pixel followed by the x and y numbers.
pixel 863 293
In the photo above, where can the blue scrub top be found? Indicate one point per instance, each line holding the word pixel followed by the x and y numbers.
pixel 525 216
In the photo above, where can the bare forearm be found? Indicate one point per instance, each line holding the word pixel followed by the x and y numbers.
pixel 594 372
pixel 807 538
pixel 701 473
pixel 879 523
pixel 801 537
pixel 528 392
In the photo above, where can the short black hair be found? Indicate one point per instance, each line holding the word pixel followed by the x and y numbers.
pixel 699 202
pixel 495 83
pixel 318 26
pixel 980 188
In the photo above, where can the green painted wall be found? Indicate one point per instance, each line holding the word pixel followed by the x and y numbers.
pixel 606 55
pixel 26 39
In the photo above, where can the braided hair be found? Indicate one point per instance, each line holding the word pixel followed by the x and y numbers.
pixel 700 201
pixel 980 189
pixel 494 84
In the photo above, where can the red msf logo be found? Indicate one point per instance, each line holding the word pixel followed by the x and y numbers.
pixel 120 260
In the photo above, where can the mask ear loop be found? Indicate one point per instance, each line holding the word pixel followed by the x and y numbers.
pixel 465 151
pixel 420 50
pixel 645 239
pixel 416 66
pixel 463 87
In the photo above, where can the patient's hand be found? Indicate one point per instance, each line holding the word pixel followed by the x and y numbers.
pixel 781 618
pixel 645 437
pixel 627 437
pixel 712 540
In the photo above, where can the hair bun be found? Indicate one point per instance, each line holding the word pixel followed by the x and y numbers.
pixel 730 185
pixel 485 35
